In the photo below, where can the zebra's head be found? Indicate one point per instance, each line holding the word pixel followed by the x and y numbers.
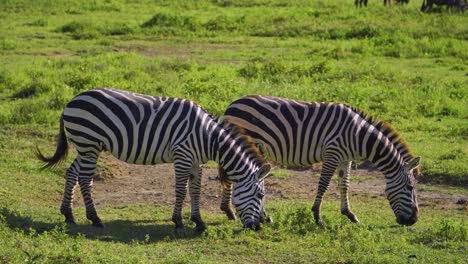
pixel 401 193
pixel 248 198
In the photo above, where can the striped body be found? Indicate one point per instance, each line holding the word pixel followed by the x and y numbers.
pixel 137 128
pixel 143 129
pixel 292 132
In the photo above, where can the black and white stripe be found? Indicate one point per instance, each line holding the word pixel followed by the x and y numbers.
pixel 143 129
pixel 301 133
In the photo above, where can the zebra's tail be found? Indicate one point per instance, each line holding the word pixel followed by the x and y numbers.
pixel 60 153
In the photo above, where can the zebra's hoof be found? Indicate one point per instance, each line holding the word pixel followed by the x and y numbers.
pixel 98 224
pixel 200 228
pixel 70 221
pixel 231 215
pixel 319 223
pixel 350 216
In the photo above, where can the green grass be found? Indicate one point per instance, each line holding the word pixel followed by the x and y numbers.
pixel 142 233
pixel 396 63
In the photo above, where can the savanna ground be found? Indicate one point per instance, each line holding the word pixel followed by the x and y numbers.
pixel 396 63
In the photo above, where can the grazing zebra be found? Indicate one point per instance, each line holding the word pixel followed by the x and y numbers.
pixel 360 3
pixel 460 5
pixel 144 129
pixel 292 132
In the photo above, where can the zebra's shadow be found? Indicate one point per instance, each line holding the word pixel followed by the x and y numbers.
pixel 123 231
pixel 130 231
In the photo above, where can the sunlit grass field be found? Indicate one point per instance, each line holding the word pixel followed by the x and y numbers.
pixel 396 63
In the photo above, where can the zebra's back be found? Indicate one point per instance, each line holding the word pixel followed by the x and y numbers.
pixel 290 132
pixel 135 128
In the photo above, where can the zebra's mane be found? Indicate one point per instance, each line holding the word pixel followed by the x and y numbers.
pixel 387 130
pixel 238 133
pixel 248 146
pixel 245 141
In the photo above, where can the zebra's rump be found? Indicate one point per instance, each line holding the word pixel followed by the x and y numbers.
pixel 135 128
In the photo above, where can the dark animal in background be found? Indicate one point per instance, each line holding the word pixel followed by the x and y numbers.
pixel 460 5
pixel 359 3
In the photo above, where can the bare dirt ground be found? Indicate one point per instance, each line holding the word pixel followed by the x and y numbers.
pixel 118 183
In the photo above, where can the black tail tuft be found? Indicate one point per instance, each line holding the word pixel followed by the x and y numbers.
pixel 60 153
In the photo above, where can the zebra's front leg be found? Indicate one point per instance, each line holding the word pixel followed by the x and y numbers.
pixel 343 185
pixel 70 184
pixel 86 168
pixel 226 199
pixel 328 169
pixel 194 190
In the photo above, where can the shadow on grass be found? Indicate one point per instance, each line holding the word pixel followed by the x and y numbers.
pixel 439 178
pixel 134 231
pixel 124 231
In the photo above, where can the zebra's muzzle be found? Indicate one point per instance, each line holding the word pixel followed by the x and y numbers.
pixel 408 220
pixel 252 225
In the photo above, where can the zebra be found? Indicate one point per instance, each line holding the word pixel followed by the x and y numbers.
pixel 360 3
pixel 142 129
pixel 290 132
pixel 460 5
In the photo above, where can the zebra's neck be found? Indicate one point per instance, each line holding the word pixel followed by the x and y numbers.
pixel 233 153
pixel 381 151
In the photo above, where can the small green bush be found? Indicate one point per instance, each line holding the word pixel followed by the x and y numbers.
pixel 446 233
pixel 59 97
pixel 36 87
pixel 80 30
pixel 175 65
pixel 225 23
pixel 277 71
pixel 362 32
pixel 117 29
pixel 80 80
pixel 7 44
pixel 172 24
pixel 41 22
pixel 73 27
pixel 27 111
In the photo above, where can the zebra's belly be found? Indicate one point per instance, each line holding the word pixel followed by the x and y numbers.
pixel 146 155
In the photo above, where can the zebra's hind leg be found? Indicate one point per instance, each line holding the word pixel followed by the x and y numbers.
pixel 194 190
pixel 227 194
pixel 328 169
pixel 183 171
pixel 70 184
pixel 343 185
pixel 86 166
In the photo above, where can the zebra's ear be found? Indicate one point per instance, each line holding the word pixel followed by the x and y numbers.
pixel 412 164
pixel 263 172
